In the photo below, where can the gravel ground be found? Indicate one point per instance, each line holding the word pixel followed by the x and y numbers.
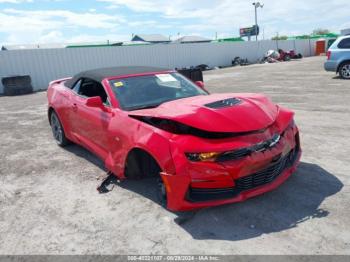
pixel 49 203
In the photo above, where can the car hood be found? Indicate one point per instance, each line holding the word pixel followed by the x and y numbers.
pixel 253 112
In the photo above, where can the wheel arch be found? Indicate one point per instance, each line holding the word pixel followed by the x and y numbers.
pixel 342 63
pixel 145 161
pixel 49 112
pixel 65 126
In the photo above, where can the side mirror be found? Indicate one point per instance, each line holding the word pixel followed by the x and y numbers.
pixel 95 101
pixel 200 84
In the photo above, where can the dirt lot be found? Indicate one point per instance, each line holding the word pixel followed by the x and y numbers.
pixel 49 203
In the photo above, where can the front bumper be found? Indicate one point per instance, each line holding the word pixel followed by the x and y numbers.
pixel 211 184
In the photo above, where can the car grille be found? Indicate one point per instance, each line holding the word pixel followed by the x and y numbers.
pixel 263 177
pixel 267 175
pixel 243 152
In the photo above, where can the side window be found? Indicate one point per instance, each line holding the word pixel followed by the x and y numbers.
pixel 76 87
pixel 90 88
pixel 344 44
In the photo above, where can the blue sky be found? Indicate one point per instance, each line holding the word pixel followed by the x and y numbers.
pixel 75 21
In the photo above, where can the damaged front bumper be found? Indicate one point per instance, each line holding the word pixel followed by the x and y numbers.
pixel 204 184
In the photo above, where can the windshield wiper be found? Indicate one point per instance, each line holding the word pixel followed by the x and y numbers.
pixel 158 104
pixel 143 107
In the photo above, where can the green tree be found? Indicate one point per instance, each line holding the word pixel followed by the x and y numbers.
pixel 281 37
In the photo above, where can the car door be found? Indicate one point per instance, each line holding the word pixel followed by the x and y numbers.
pixel 90 125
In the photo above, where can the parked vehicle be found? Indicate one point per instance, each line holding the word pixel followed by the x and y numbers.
pixel 203 67
pixel 294 55
pixel 271 56
pixel 338 57
pixel 287 56
pixel 205 149
pixel 284 56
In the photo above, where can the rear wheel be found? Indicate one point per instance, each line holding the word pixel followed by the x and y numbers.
pixel 57 130
pixel 344 70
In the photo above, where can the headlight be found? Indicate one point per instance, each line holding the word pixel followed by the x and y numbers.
pixel 204 157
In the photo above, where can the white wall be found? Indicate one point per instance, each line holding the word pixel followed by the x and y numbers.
pixel 45 65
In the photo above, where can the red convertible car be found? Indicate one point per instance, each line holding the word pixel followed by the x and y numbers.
pixel 206 149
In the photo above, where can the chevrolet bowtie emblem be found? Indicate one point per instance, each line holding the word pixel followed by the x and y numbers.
pixel 267 144
pixel 274 140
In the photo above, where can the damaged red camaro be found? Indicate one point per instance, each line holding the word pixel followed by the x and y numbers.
pixel 206 149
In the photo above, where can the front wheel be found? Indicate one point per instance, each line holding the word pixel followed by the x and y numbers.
pixel 57 130
pixel 344 70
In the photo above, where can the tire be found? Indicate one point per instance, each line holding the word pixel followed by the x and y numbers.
pixel 57 130
pixel 287 58
pixel 344 70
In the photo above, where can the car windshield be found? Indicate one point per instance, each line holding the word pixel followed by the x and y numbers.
pixel 141 92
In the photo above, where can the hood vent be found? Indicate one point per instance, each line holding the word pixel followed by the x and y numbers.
pixel 224 103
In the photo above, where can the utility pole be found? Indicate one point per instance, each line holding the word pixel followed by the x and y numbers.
pixel 256 22
pixel 256 6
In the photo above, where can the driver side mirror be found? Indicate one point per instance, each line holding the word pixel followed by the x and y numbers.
pixel 95 101
pixel 200 84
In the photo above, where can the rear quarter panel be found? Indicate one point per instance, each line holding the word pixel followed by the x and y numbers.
pixel 59 99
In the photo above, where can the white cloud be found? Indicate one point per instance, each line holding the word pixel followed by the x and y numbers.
pixel 86 38
pixel 62 17
pixel 143 23
pixel 22 26
pixel 52 37
pixel 175 8
pixel 228 15
pixel 15 1
pixel 203 17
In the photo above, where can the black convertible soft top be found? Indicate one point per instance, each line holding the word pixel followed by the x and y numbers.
pixel 102 73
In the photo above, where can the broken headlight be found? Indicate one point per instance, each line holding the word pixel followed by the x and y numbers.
pixel 203 157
